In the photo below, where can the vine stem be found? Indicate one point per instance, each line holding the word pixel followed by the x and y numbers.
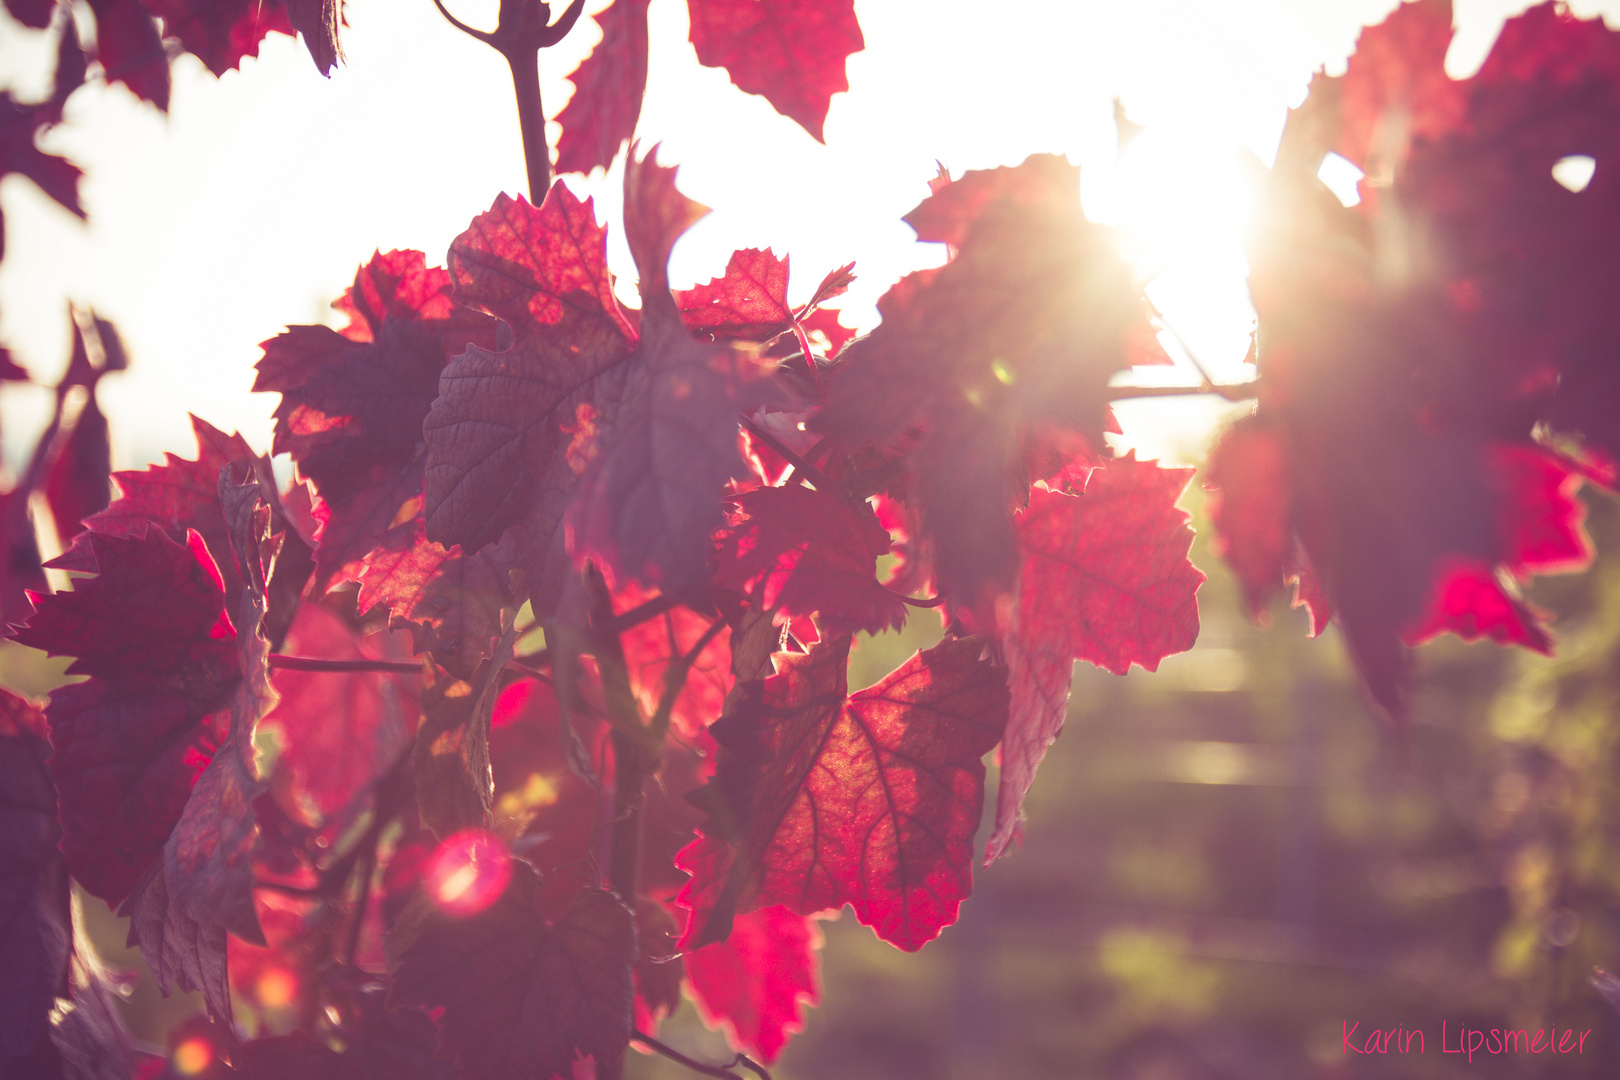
pixel 697 1066
pixel 321 663
pixel 1244 391
pixel 520 33
pixel 803 468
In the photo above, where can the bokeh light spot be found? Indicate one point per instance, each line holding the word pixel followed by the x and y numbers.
pixel 193 1056
pixel 469 872
pixel 276 988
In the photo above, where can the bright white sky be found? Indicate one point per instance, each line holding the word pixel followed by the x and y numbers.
pixel 251 204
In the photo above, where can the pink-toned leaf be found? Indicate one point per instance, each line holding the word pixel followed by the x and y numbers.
pixel 511 431
pixel 818 802
pixel 649 503
pixel 608 86
pixel 748 302
pixel 36 930
pixel 790 51
pixel 451 603
pixel 1105 579
pixel 221 32
pixel 810 553
pixel 522 998
pixel 77 486
pixel 756 983
pixel 130 50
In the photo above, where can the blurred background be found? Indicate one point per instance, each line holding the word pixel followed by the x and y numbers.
pixel 1226 862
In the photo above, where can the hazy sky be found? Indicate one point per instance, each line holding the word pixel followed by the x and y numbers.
pixel 250 205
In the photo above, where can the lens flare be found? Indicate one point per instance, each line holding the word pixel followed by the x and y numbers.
pixel 469 872
pixel 276 988
pixel 193 1056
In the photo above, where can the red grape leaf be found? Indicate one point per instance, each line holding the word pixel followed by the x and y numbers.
pixel 318 21
pixel 649 647
pixel 36 929
pixel 1024 326
pixel 756 983
pixel 535 785
pixel 1540 521
pixel 1395 88
pixel 810 553
pixel 203 887
pixel 749 302
pixel 35 14
pixel 1398 502
pixel 522 998
pixel 221 32
pixel 1105 579
pixel 659 967
pixel 181 496
pixel 339 730
pixel 55 176
pixel 818 802
pixel 352 404
pixel 76 486
pixel 791 52
pixel 648 505
pixel 451 762
pixel 20 572
pixel 1247 477
pixel 451 603
pixel 511 431
pixel 179 950
pixel 608 86
pixel 151 630
pixel 130 50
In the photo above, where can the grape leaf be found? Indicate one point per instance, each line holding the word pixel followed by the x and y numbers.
pixel 339 730
pixel 452 768
pixel 649 648
pixel 648 504
pixel 36 930
pixel 151 630
pixel 1247 477
pixel 130 50
pixel 317 21
pixel 34 14
pixel 756 983
pixel 810 553
pixel 76 486
pixel 352 404
pixel 181 496
pixel 511 431
pixel 818 802
pixel 608 87
pixel 659 967
pixel 748 302
pixel 72 65
pixel 203 887
pixel 1024 326
pixel 221 32
pixel 20 572
pixel 55 176
pixel 1403 519
pixel 523 997
pixel 537 792
pixel 451 603
pixel 1105 579
pixel 791 52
